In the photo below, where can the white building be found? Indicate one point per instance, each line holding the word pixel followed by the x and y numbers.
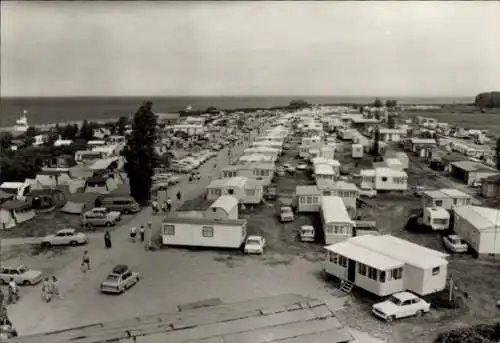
pixel 384 179
pixel 384 265
pixel 479 227
pixel 337 225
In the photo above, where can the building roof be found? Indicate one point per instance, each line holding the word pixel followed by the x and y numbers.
pixel 196 204
pixel 482 218
pixel 345 186
pixel 435 194
pixel 454 193
pixel 307 190
pixel 104 163
pixel 471 166
pixel 367 172
pixel 218 183
pixel 438 212
pixel 363 255
pixel 14 205
pixel 492 179
pixel 422 140
pixel 226 202
pixel 323 169
pixel 14 185
pixel 5 195
pixel 385 171
pixel 174 219
pixel 401 250
pixel 334 210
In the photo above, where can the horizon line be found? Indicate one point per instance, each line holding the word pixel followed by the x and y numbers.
pixel 240 96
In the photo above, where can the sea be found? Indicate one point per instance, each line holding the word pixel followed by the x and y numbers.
pixel 74 109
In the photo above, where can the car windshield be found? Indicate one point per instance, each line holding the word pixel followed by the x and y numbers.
pixel 253 242
pixel 112 277
pixel 395 301
pixel 286 210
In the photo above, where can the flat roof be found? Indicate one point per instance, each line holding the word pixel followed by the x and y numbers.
pixel 438 212
pixel 363 255
pixel 334 210
pixel 471 166
pixel 401 250
pixel 482 218
pixel 345 186
pixel 454 193
pixel 323 169
pixel 307 190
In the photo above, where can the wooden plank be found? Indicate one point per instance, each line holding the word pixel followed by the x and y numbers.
pixel 330 336
pixel 277 333
pixel 237 326
pixel 200 304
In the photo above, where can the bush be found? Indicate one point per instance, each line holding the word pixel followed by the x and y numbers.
pixel 481 333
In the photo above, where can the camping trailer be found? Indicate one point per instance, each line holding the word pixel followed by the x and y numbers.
pixel 437 218
pixel 337 225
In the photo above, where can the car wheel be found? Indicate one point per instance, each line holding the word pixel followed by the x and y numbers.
pixel 390 319
pixel 126 212
pixel 419 313
pixel 73 243
pixel 109 224
pixel 26 283
pixel 45 244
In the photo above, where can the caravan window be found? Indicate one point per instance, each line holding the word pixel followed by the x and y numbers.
pixel 169 230
pixel 435 271
pixel 372 273
pixel 362 269
pixel 397 273
pixel 334 258
pixel 342 261
pixel 207 231
pixel 438 203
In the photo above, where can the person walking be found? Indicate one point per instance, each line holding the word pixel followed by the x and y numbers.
pixel 164 207
pixel 154 206
pixel 107 239
pixel 142 233
pixel 85 261
pixel 13 291
pixel 46 290
pixel 169 204
pixel 133 233
pixel 54 287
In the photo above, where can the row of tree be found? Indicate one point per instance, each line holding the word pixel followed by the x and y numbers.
pixel 488 100
pixel 390 103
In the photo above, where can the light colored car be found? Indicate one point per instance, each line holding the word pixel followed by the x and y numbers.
pixel 65 237
pixel 455 243
pixel 22 275
pixel 400 305
pixel 119 280
pixel 255 245
pixel 367 192
pixel 286 214
pixel 301 166
pixel 307 233
pixel 100 216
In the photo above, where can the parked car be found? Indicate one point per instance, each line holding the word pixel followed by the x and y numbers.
pixel 307 233
pixel 271 192
pixel 100 216
pixel 119 280
pixel 280 171
pixel 120 203
pixel 286 214
pixel 301 166
pixel 289 168
pixel 400 305
pixel 455 244
pixel 367 192
pixel 22 275
pixel 255 245
pixel 65 237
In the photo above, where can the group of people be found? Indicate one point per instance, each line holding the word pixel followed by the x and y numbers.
pixel 50 288
pixel 166 206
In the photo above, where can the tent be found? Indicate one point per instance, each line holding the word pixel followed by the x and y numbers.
pixel 78 203
pixel 14 212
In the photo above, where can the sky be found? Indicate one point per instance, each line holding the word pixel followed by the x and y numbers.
pixel 442 49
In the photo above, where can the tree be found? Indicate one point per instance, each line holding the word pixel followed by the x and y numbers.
pixel 391 121
pixel 361 109
pixel 121 125
pixel 31 132
pixel 86 131
pixel 391 103
pixel 69 131
pixel 376 144
pixel 377 103
pixel 5 140
pixel 140 154
pixel 498 153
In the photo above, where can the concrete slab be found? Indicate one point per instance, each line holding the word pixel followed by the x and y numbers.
pixel 200 304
